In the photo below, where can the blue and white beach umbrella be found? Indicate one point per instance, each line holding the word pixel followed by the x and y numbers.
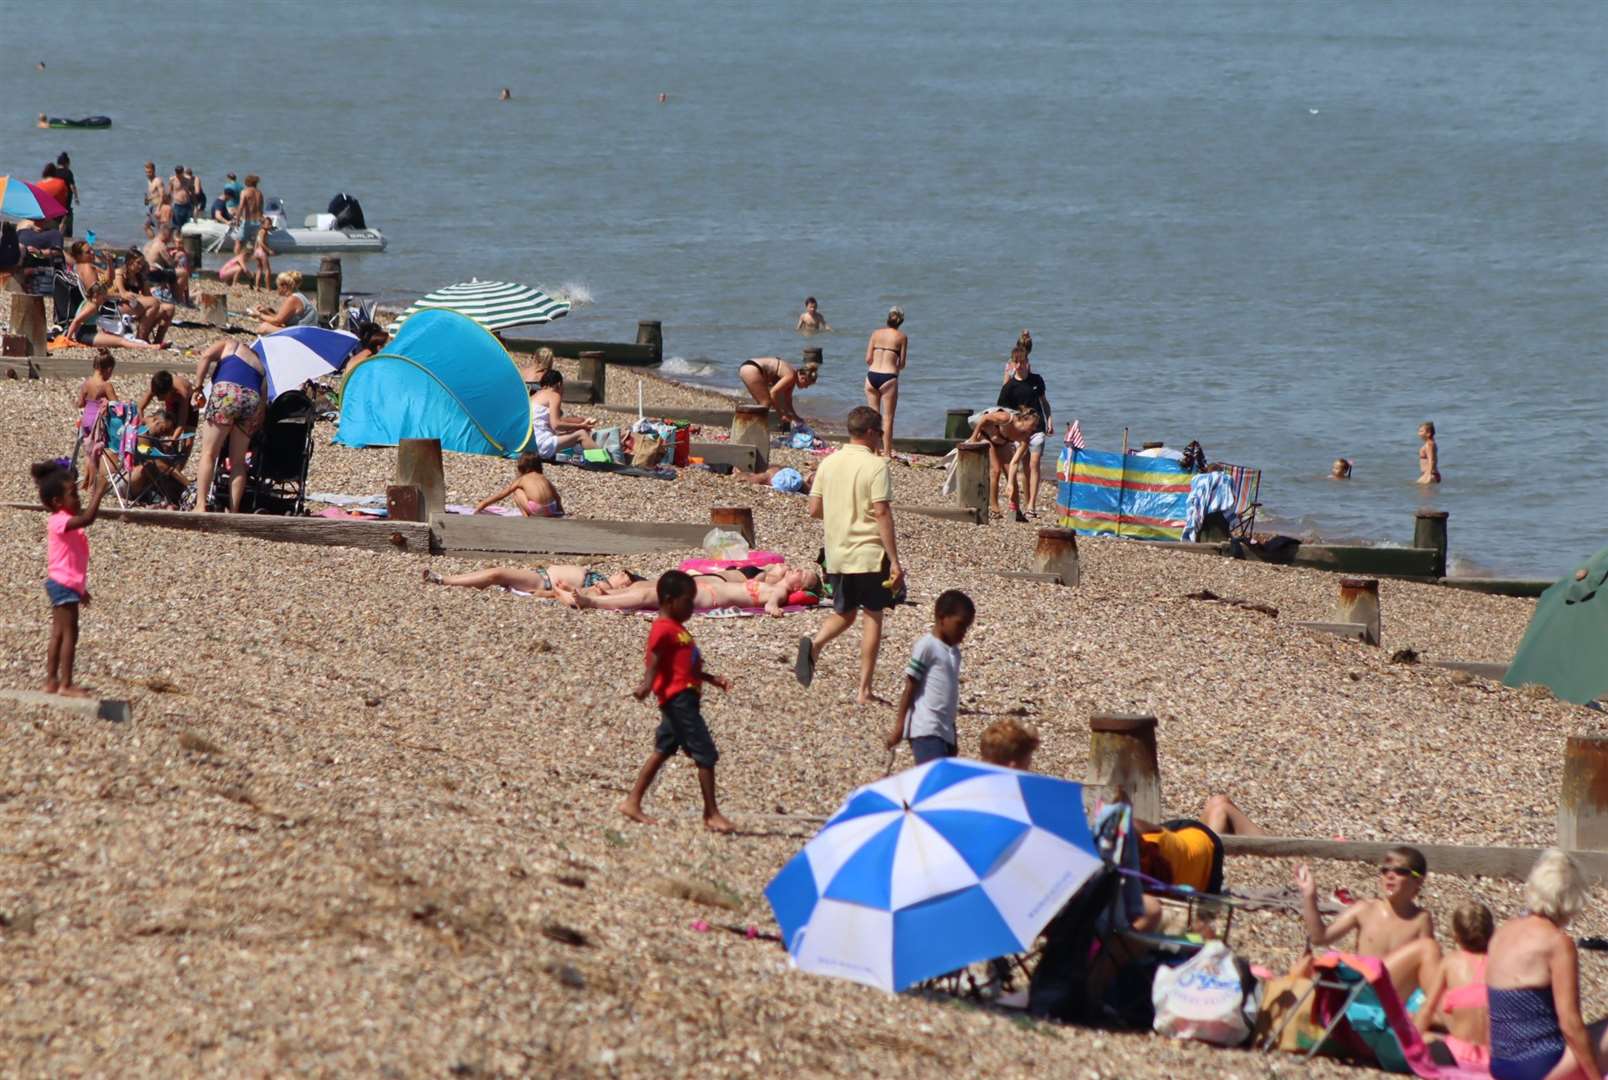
pixel 941 866
pixel 294 355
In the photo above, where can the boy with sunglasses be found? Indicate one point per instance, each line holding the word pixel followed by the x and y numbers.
pixel 1392 927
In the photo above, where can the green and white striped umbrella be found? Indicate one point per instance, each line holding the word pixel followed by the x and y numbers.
pixel 496 305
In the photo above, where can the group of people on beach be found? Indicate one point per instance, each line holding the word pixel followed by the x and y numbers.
pixel 1014 429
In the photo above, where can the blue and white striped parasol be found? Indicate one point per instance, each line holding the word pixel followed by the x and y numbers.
pixel 294 355
pixel 496 305
pixel 941 866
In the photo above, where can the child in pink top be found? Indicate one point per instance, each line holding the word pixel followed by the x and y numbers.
pixel 66 567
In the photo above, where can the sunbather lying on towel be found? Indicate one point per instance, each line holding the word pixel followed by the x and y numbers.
pixel 713 592
pixel 540 581
pixel 783 478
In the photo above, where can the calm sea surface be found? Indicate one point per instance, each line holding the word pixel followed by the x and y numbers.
pixel 1291 231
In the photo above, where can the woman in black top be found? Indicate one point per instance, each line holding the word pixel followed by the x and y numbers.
pixel 1024 389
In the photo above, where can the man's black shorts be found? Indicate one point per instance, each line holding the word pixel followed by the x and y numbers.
pixel 682 727
pixel 850 591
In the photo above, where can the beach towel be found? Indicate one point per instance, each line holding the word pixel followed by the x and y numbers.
pixel 1209 493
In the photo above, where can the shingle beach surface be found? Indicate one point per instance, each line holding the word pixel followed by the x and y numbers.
pixel 360 825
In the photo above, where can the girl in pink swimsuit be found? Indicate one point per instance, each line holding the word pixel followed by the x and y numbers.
pixel 1455 996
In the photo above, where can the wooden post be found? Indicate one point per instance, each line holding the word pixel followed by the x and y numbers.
pixel 329 286
pixel 594 371
pixel 813 356
pixel 957 423
pixel 1122 754
pixel 1359 603
pixel 971 476
pixel 215 309
pixel 738 518
pixel 1057 553
pixel 1583 802
pixel 193 247
pixel 405 502
pixel 418 461
pixel 1429 531
pixel 649 332
pixel 28 320
pixel 751 424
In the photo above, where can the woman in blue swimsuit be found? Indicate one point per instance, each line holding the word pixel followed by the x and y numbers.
pixel 885 357
pixel 1533 976
pixel 234 411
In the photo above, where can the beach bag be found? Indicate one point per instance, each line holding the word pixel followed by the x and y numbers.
pixel 646 450
pixel 1210 998
pixel 1286 1012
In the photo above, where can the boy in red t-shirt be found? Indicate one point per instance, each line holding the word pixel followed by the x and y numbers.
pixel 673 670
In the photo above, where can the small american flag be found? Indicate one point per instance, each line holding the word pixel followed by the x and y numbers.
pixel 1074 436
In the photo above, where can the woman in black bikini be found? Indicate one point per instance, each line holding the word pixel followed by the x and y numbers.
pixel 771 381
pixel 885 357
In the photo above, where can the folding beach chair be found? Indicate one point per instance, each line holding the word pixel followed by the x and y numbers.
pixel 1363 1020
pixel 1247 497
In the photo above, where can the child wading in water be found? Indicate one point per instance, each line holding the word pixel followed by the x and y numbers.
pixel 1428 455
pixel 673 669
pixel 533 493
pixel 66 567
pixel 931 698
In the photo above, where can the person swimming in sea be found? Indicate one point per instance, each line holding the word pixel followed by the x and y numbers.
pixel 1341 470
pixel 810 320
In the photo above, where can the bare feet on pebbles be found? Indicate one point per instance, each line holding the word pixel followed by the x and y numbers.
pixel 634 812
pixel 718 823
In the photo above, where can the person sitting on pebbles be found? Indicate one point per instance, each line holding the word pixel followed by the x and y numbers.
pixel 712 592
pixel 293 310
pixel 533 493
pixel 1392 927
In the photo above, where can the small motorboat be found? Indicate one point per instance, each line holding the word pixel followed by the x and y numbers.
pixel 310 240
pixel 83 122
pixel 342 228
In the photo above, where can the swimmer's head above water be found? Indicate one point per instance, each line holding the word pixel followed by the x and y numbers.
pixel 1341 469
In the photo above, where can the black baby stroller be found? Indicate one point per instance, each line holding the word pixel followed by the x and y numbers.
pixel 277 461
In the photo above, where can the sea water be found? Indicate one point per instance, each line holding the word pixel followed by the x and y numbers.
pixel 1290 231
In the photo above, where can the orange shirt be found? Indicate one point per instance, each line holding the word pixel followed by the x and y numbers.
pixel 1188 852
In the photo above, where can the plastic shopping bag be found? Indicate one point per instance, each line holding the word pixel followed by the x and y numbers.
pixel 1209 998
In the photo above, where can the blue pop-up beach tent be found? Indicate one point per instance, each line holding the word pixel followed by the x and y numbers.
pixel 442 377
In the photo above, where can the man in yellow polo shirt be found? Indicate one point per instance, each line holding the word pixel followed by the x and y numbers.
pixel 852 496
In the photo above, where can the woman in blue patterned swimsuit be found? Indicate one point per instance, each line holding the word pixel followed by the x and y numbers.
pixel 1533 976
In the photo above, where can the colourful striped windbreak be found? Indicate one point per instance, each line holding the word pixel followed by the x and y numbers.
pixel 1100 494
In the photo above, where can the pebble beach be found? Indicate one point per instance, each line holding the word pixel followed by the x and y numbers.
pixel 361 825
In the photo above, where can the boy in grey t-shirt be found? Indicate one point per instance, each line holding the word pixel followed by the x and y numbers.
pixel 926 713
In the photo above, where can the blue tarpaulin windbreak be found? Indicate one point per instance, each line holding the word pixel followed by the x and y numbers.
pixel 1104 494
pixel 442 377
